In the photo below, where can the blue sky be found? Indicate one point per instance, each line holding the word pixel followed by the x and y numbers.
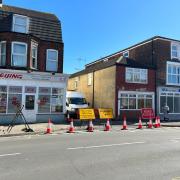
pixel 95 28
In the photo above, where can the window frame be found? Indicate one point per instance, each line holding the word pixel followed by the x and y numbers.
pixel 52 50
pixel 1 54
pixel 89 79
pixel 178 50
pixel 34 44
pixel 135 73
pixel 12 50
pixel 26 26
pixel 124 54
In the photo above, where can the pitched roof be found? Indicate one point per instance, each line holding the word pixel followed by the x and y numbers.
pixel 119 61
pixel 43 25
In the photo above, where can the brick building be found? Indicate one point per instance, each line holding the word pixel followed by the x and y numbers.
pixel 159 55
pixel 31 65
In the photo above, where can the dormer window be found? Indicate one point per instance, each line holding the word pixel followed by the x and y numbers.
pixel 126 54
pixel 20 23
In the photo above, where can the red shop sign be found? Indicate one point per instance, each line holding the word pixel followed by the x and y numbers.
pixel 147 113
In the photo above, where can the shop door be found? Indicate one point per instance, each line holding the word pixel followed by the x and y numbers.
pixel 29 110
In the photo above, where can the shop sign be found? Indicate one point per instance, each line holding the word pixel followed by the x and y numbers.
pixel 166 89
pixel 147 113
pixel 105 113
pixel 86 114
pixel 11 76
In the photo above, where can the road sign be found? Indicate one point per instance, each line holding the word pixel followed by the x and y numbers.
pixel 105 113
pixel 147 113
pixel 86 114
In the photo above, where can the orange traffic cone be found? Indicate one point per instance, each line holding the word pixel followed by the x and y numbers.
pixel 150 125
pixel 156 122
pixel 159 121
pixel 71 127
pixel 107 126
pixel 90 127
pixel 124 124
pixel 140 123
pixel 49 129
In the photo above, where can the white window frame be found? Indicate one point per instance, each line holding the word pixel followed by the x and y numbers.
pixel 4 54
pixel 47 51
pixel 76 82
pixel 89 79
pixel 12 50
pixel 124 54
pixel 26 26
pixel 133 81
pixel 177 65
pixel 34 45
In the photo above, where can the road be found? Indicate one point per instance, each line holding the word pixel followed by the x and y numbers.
pixel 117 155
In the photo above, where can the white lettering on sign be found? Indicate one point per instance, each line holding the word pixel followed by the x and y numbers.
pixel 10 76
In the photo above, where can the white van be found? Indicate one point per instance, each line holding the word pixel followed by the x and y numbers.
pixel 74 101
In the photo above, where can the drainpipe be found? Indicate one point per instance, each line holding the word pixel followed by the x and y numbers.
pixel 93 90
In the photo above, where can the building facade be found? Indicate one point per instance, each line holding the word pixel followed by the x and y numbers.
pixel 31 65
pixel 161 54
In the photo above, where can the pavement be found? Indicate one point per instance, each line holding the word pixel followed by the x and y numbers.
pixel 41 128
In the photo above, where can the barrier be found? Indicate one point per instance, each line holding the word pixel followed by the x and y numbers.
pixel 124 123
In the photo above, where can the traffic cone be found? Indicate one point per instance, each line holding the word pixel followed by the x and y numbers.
pixel 90 127
pixel 124 124
pixel 140 123
pixel 156 122
pixel 107 126
pixel 71 127
pixel 150 125
pixel 49 129
pixel 159 121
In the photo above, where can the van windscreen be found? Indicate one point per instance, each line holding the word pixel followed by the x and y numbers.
pixel 76 100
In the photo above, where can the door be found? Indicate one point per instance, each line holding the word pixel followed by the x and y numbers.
pixel 29 110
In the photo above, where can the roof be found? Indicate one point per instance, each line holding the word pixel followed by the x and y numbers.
pixel 117 61
pixel 45 26
pixel 126 49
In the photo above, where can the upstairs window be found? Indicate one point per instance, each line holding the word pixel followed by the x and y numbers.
pixel 52 60
pixel 135 75
pixel 20 23
pixel 2 53
pixel 126 54
pixel 174 51
pixel 90 78
pixel 19 54
pixel 34 50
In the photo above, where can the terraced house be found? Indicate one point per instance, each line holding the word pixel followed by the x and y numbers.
pixel 152 80
pixel 31 65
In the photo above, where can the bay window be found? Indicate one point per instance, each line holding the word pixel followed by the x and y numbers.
pixel 19 54
pixel 52 60
pixel 2 53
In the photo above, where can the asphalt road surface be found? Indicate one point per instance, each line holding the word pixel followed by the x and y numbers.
pixel 118 155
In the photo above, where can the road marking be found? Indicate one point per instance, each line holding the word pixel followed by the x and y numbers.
pixel 105 145
pixel 13 154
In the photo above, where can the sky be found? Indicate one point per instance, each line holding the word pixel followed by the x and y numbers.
pixel 93 29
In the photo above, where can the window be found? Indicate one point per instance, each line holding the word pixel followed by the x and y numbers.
pixel 135 75
pixel 173 73
pixel 3 99
pixel 19 54
pixel 2 53
pixel 76 82
pixel 126 54
pixel 90 78
pixel 136 101
pixel 52 60
pixel 34 50
pixel 175 49
pixel 172 100
pixel 20 23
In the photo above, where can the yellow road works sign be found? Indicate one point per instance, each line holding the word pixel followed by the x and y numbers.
pixel 105 113
pixel 86 114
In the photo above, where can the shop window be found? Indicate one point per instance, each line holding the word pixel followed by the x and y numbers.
pixel 20 23
pixel 3 99
pixel 44 104
pixel 135 75
pixel 30 100
pixel 34 51
pixel 2 53
pixel 19 54
pixel 52 60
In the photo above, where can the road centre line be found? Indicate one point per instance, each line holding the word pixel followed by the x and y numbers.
pixel 105 145
pixel 13 154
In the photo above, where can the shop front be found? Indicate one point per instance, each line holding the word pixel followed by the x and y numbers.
pixel 169 96
pixel 42 96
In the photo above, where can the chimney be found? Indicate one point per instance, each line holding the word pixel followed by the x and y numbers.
pixel 1 3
